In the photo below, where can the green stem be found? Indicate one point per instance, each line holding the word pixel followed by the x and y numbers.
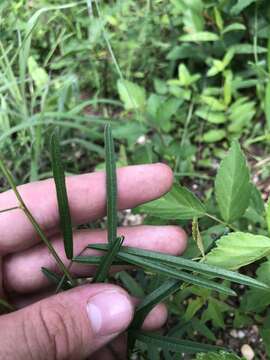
pixel 9 209
pixel 34 222
pixel 221 222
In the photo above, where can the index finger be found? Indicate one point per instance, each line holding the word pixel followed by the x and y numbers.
pixel 87 199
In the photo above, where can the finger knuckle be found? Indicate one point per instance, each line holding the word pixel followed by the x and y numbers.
pixel 59 337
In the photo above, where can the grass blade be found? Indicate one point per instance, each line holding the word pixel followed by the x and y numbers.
pixel 190 265
pixel 152 299
pixel 94 260
pixel 173 273
pixel 107 260
pixel 62 199
pixel 111 184
pixel 167 271
pixel 148 303
pixel 55 278
pixel 171 343
pixel 129 283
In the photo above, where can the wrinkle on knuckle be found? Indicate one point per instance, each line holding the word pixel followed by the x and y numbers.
pixel 58 332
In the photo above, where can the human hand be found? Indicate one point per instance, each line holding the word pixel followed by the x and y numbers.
pixel 77 323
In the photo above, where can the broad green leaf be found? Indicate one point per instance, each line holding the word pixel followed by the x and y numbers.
pixel 240 6
pixel 232 184
pixel 111 184
pixel 107 260
pixel 172 344
pixel 181 263
pixel 214 135
pixel 179 203
pixel 213 117
pixel 248 49
pixel 238 249
pixel 213 103
pixel 37 73
pixel 234 27
pixel 62 198
pixel 132 95
pixel 241 113
pixel 200 36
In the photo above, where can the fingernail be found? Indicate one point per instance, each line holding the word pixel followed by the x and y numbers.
pixel 109 312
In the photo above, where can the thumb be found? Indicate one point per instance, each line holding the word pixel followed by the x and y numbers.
pixel 70 325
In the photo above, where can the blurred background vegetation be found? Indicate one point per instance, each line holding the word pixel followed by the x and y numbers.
pixel 179 79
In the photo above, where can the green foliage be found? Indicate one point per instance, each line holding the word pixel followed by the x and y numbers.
pixel 179 82
pixel 62 198
pixel 179 203
pixel 239 249
pixel 232 185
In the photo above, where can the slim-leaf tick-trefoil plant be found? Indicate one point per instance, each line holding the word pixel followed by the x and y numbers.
pixel 173 274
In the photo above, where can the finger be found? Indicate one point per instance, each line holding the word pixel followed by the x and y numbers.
pixel 87 199
pixel 70 325
pixel 22 271
pixel 156 318
pixel 117 348
pixel 1 280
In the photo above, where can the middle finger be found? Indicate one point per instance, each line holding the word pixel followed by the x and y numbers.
pixel 22 274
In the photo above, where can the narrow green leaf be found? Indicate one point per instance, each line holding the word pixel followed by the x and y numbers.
pixel 171 343
pixel 175 274
pixel 238 249
pixel 6 305
pixel 232 184
pixel 155 297
pixel 111 184
pixel 190 265
pixel 33 221
pixel 179 203
pixel 133 287
pixel 200 36
pixel 240 6
pixel 94 260
pixel 62 199
pixel 107 260
pixel 55 278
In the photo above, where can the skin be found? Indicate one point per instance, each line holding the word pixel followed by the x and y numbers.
pixel 49 326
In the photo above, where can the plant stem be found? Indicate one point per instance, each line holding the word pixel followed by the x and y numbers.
pixel 9 209
pixel 34 222
pixel 221 222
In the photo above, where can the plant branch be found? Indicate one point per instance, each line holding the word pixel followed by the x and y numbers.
pixel 34 222
pixel 221 222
